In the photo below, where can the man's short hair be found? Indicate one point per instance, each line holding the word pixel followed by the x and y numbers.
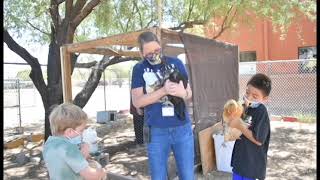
pixel 146 37
pixel 262 82
pixel 65 116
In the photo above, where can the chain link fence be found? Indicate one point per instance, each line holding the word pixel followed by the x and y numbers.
pixel 293 90
pixel 293 85
pixel 111 94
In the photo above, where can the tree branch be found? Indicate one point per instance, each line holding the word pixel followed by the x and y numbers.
pixel 46 33
pixel 85 12
pixel 151 20
pixel 224 25
pixel 77 8
pixel 59 1
pixel 54 12
pixel 190 9
pixel 85 65
pixel 118 15
pixel 69 5
pixel 129 19
pixel 139 13
pixel 189 24
pixel 84 95
pixel 36 73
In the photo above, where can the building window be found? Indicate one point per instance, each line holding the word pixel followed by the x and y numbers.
pixel 248 56
pixel 307 52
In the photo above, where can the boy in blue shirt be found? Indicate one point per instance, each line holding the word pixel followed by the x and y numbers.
pixel 168 131
pixel 61 153
pixel 249 157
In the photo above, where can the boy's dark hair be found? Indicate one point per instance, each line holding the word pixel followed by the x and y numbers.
pixel 262 82
pixel 146 37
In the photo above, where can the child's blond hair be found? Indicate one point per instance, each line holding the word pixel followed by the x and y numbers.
pixel 65 116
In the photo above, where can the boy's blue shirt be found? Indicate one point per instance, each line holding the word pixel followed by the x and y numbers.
pixel 248 159
pixel 143 75
pixel 63 159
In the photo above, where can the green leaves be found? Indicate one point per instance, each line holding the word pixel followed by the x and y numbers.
pixel 117 16
pixel 28 16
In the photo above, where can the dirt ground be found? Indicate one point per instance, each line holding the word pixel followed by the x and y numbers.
pixel 292 153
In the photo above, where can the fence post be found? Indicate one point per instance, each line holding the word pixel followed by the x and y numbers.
pixel 19 103
pixel 104 90
pixel 269 68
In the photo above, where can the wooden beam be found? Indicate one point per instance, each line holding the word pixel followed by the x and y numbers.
pixel 102 51
pixel 65 57
pixel 127 39
pixel 14 143
pixel 170 36
pixel 110 52
pixel 17 142
pixel 130 53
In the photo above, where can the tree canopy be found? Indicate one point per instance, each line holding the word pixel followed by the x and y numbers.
pixel 32 17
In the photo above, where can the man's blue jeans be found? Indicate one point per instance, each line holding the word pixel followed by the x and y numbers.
pixel 180 141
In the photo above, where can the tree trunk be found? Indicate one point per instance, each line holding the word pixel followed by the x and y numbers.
pixel 55 94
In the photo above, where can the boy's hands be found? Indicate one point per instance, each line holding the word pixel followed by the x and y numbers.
pixel 236 123
pixel 85 150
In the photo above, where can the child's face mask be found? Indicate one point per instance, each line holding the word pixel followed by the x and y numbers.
pixel 77 139
pixel 252 104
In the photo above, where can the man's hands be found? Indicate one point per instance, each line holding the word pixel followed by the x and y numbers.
pixel 175 89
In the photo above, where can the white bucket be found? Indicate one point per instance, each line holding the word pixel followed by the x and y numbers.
pixel 223 153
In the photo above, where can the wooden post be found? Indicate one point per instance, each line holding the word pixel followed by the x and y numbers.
pixel 159 9
pixel 66 74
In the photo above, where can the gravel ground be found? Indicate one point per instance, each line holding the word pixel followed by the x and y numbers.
pixel 292 153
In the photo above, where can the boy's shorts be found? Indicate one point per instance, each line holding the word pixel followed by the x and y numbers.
pixel 236 176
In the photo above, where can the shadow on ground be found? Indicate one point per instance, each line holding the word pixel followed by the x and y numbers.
pixel 292 154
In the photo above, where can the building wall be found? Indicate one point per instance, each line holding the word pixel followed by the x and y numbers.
pixel 267 44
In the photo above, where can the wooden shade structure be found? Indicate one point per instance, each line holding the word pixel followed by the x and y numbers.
pixel 103 46
pixel 213 70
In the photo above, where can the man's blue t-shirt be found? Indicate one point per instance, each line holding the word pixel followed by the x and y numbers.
pixel 143 75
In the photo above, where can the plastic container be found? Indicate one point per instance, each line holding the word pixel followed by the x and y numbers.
pixel 106 116
pixel 223 152
pixel 90 136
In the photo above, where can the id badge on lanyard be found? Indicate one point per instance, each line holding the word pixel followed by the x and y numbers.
pixel 167 109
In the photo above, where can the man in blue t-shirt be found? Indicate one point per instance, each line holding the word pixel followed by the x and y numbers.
pixel 167 130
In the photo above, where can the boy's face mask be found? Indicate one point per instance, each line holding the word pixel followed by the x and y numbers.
pixel 252 104
pixel 77 139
